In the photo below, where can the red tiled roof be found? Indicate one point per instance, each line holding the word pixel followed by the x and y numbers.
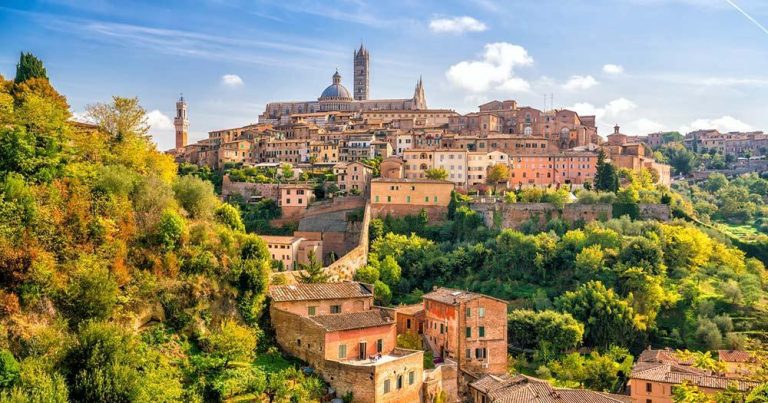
pixel 309 292
pixel 452 296
pixel 669 373
pixel 736 356
pixel 353 320
pixel 521 388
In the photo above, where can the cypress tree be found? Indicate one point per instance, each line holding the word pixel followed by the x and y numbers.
pixel 29 67
pixel 606 177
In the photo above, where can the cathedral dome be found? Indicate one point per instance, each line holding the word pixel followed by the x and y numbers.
pixel 335 91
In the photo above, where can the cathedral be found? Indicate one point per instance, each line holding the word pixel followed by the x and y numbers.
pixel 336 97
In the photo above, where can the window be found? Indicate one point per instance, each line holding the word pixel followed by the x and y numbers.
pixel 386 386
pixel 648 387
pixel 298 342
pixel 441 328
pixel 481 331
pixel 481 353
pixel 342 351
pixel 377 198
pixel 379 345
pixel 468 312
pixel 411 377
pixel 407 323
pixel 407 199
pixel 335 308
pixel 468 332
pixel 389 199
pixel 481 312
pixel 311 310
pixel 469 354
pixel 399 382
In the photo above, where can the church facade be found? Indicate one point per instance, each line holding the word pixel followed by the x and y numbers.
pixel 336 97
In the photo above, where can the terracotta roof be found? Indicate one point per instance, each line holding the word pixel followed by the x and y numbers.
pixel 736 356
pixel 452 296
pixel 662 355
pixel 521 388
pixel 410 309
pixel 353 320
pixel 674 374
pixel 309 292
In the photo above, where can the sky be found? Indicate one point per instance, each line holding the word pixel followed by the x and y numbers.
pixel 647 65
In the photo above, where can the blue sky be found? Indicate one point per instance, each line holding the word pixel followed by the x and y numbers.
pixel 644 64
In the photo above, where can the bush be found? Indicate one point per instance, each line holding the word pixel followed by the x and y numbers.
pixel 195 195
pixel 229 215
pixel 9 369
pixel 92 292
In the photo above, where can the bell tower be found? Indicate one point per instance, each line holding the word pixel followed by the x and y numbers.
pixel 181 122
pixel 362 73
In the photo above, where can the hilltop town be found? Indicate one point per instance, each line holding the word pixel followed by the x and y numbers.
pixel 335 165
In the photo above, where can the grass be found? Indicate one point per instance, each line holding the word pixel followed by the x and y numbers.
pixel 273 362
pixel 744 232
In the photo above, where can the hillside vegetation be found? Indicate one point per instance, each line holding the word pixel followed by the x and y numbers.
pixel 120 280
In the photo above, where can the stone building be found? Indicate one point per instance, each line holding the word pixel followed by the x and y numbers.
pixel 468 328
pixel 353 176
pixel 399 197
pixel 292 251
pixel 335 328
pixel 336 97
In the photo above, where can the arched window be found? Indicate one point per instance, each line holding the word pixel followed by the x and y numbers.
pixel 528 131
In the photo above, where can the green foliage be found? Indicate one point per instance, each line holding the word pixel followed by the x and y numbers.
pixel 195 196
pixel 124 119
pixel 231 342
pixel 92 292
pixel 681 160
pixel 229 215
pixel 603 372
pixel 436 174
pixel 171 230
pixel 606 176
pixel 607 318
pixel 29 67
pixel 381 293
pixel 530 330
pixel 313 271
pixel 9 369
pixel 37 384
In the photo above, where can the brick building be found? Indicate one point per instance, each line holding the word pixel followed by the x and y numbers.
pixel 292 251
pixel 350 343
pixel 352 176
pixel 468 328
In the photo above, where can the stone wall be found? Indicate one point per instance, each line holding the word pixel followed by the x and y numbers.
pixel 247 189
pixel 442 378
pixel 435 213
pixel 514 215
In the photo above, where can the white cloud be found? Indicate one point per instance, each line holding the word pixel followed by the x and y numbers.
pixel 725 123
pixel 231 80
pixel 612 109
pixel 494 71
pixel 644 126
pixel 580 83
pixel 457 25
pixel 613 69
pixel 160 127
pixel 81 117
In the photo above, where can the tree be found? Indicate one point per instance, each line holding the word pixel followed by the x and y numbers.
pixel 29 67
pixel 530 330
pixel 170 230
pixel 498 173
pixel 232 342
pixel 606 177
pixel 681 160
pixel 390 271
pixel 687 392
pixel 9 369
pixel 382 293
pixel 195 196
pixel 436 174
pixel 124 118
pixel 92 292
pixel 37 383
pixel 313 271
pixel 229 215
pixel 607 318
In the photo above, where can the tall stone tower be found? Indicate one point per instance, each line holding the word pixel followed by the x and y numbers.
pixel 181 122
pixel 362 73
pixel 419 98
